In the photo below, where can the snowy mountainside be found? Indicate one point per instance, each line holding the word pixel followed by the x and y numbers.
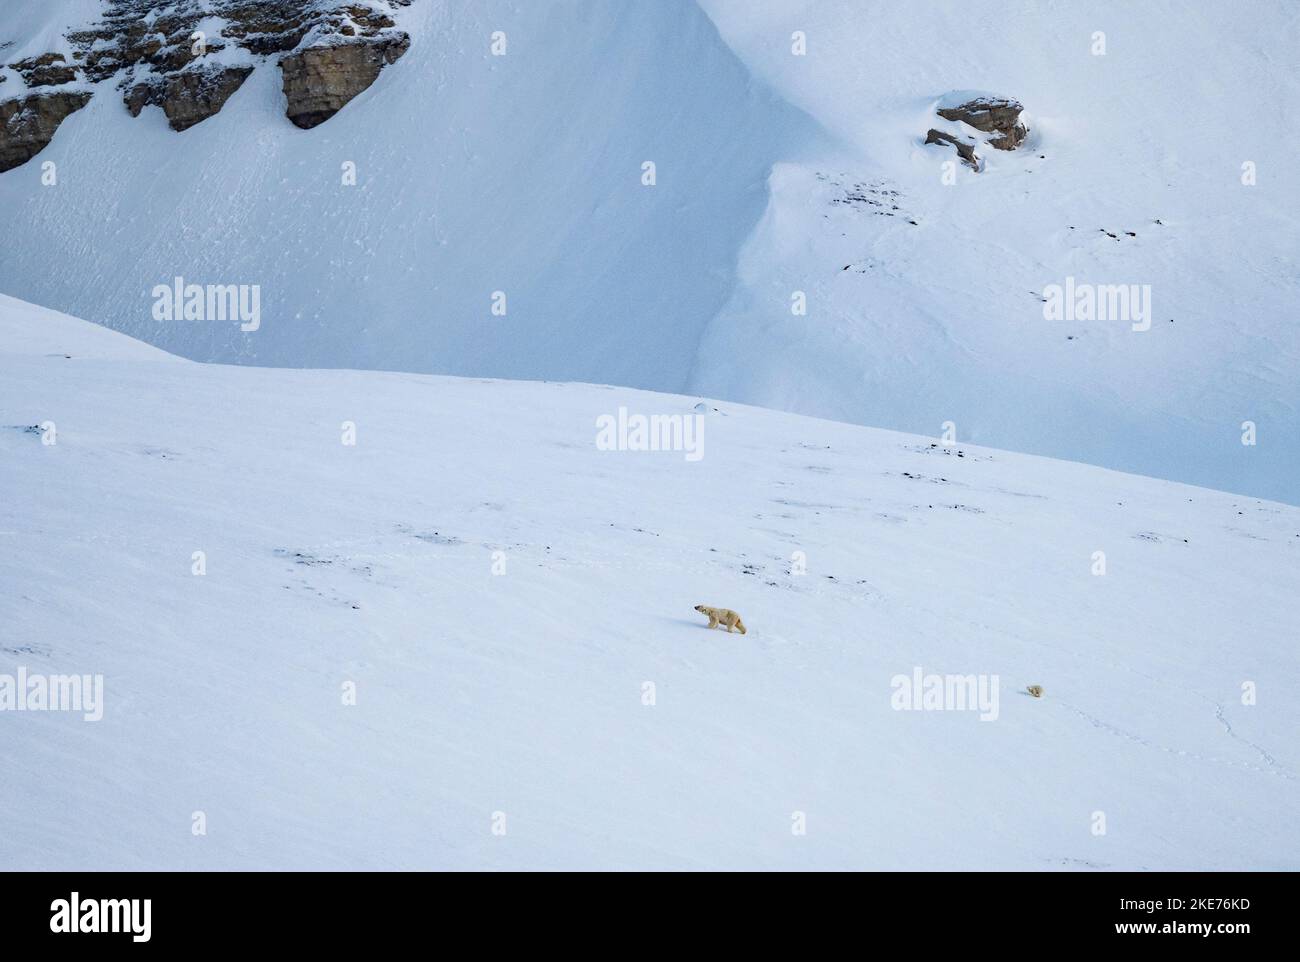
pixel 474 174
pixel 499 591
pixel 521 174
pixel 1158 139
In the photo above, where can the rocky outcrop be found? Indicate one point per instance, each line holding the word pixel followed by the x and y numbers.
pixel 27 124
pixel 319 81
pixel 48 70
pixel 157 36
pixel 140 34
pixel 998 116
pixel 268 27
pixel 333 50
pixel 966 151
pixel 190 96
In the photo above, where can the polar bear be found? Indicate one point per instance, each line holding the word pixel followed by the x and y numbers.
pixel 723 616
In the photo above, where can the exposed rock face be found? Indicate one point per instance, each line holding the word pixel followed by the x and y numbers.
pixel 139 97
pixel 189 96
pixel 134 34
pixel 49 70
pixel 319 81
pixel 268 26
pixel 999 116
pixel 27 124
pixel 335 48
pixel 964 150
pixel 157 35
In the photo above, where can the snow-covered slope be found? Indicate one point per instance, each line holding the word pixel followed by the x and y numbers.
pixel 474 174
pixel 26 329
pixel 523 692
pixel 522 174
pixel 1141 118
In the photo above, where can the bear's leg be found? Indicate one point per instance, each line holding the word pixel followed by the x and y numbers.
pixel 713 622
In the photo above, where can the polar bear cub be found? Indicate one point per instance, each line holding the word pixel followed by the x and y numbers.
pixel 723 616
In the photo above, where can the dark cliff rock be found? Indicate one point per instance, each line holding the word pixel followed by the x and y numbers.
pixel 133 34
pixel 190 96
pixel 27 124
pixel 966 151
pixel 319 81
pixel 157 35
pixel 332 50
pixel 49 70
pixel 999 116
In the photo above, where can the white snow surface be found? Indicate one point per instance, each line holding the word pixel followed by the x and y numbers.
pixel 522 693
pixel 522 174
pixel 942 321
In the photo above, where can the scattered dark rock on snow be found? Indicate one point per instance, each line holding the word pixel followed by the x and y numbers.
pixel 27 124
pixel 302 557
pixel 867 196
